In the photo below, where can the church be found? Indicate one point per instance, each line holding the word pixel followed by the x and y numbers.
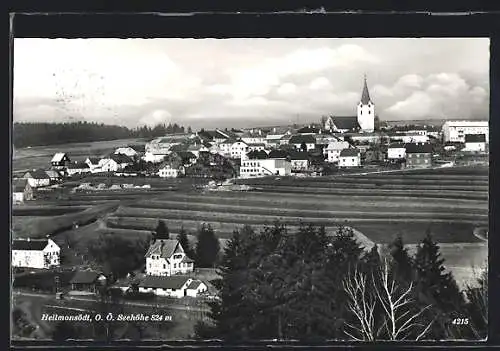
pixel 364 121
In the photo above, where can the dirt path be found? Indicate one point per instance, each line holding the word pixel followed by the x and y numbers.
pixel 478 233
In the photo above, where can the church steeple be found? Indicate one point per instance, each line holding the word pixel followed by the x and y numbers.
pixel 365 96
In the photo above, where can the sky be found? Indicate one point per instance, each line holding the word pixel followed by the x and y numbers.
pixel 208 83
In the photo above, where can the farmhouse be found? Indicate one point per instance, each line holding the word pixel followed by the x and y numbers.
pixel 170 170
pixel 59 160
pixel 154 157
pixel 418 155
pixel 197 148
pixel 396 152
pixel 350 158
pixel 87 280
pixel 21 191
pixel 77 168
pixel 93 163
pixel 475 143
pixel 37 178
pixel 300 140
pixel 166 258
pixel 127 151
pixel 114 163
pixel 225 147
pixel 175 286
pixel 299 161
pixel 35 253
pixel 54 176
pixel 455 131
pixel 332 151
pixel 196 287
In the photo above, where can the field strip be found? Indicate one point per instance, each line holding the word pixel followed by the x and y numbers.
pixel 316 198
pixel 257 218
pixel 292 213
pixel 217 202
pixel 363 183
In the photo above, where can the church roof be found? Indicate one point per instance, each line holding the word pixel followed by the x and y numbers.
pixel 365 96
pixel 346 122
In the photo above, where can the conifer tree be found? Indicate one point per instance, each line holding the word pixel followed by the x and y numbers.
pixel 161 231
pixel 184 241
pixel 207 247
pixel 402 262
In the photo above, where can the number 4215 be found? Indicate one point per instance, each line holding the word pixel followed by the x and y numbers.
pixel 460 321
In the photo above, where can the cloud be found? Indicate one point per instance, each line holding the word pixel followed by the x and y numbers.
pixel 155 117
pixel 320 83
pixel 287 89
pixel 241 80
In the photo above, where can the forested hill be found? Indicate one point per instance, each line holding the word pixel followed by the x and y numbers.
pixel 39 134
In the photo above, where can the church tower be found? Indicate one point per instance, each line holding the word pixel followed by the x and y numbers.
pixel 366 111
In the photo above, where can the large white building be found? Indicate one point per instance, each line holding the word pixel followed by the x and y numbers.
pixel 35 253
pixel 166 258
pixel 455 131
pixel 396 152
pixel 265 167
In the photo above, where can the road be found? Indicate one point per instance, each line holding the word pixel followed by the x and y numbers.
pixel 179 307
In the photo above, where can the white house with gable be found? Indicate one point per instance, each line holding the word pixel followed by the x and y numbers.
pixel 332 151
pixel 166 258
pixel 35 253
pixel 350 158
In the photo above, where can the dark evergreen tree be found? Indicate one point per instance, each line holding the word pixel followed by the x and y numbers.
pixel 161 231
pixel 402 262
pixel 184 241
pixel 207 247
pixel 477 306
pixel 438 288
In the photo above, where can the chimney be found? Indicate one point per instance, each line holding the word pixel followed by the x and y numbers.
pixel 162 244
pixel 274 130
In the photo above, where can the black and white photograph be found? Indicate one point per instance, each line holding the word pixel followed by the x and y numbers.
pixel 278 189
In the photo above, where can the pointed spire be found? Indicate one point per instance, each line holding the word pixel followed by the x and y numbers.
pixel 365 96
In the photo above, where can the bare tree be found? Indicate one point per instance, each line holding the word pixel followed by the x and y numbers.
pixel 362 305
pixel 400 320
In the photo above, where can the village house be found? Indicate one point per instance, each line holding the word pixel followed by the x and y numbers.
pixel 396 152
pixel 171 170
pixel 299 161
pixel 300 140
pixel 21 191
pixel 114 163
pixel 475 143
pixel 162 145
pixel 60 160
pixel 172 286
pixel 265 167
pixel 93 163
pixel 54 175
pixel 310 130
pixel 127 151
pixel 225 147
pixel 256 147
pixel 332 151
pixel 254 136
pixel 166 258
pixel 154 157
pixel 77 168
pixel 197 148
pixel 87 280
pixel 187 158
pixel 418 155
pixel 350 158
pixel 37 178
pixel 238 149
pixel 35 253
pixel 196 287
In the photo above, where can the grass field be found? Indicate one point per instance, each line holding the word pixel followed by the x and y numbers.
pixel 40 156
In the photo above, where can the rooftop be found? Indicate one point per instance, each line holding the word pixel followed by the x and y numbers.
pixel 475 138
pixel 85 277
pixel 29 244
pixel 418 148
pixel 172 282
pixel 350 152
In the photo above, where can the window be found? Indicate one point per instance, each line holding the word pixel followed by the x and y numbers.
pixel 175 265
pixel 164 266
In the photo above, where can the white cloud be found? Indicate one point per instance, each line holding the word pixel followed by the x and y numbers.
pixel 155 117
pixel 320 83
pixel 286 89
pixel 413 81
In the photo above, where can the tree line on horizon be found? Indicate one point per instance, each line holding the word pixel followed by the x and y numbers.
pixel 40 134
